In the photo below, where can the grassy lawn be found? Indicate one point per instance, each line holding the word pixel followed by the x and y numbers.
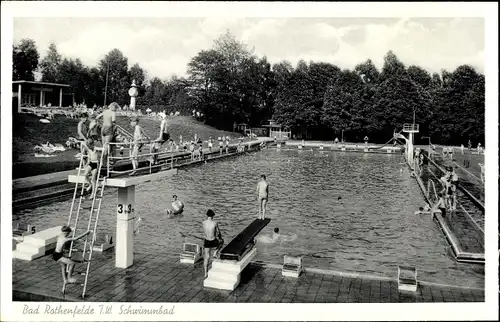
pixel 28 132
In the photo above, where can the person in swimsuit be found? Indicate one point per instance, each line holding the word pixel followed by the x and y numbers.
pixel 59 257
pixel 450 182
pixel 227 144
pixel 213 239
pixel 275 237
pixel 220 144
pixel 92 166
pixel 108 128
pixel 262 194
pixel 177 207
pixel 139 136
pixel 162 138
pixel 93 131
pixel 82 127
pixel 441 204
pixel 210 144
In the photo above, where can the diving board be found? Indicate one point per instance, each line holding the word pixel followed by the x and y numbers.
pixel 226 271
pixel 238 246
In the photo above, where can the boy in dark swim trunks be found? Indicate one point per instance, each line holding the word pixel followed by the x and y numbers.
pixel 213 239
pixel 59 257
pixel 92 166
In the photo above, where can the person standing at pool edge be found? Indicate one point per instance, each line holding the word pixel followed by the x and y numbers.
pixel 213 239
pixel 262 195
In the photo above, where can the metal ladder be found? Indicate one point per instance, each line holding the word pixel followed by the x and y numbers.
pixel 88 206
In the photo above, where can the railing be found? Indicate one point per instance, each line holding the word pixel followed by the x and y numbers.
pixel 160 159
pixel 281 134
pixel 408 127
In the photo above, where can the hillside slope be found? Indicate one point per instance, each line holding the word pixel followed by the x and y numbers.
pixel 28 132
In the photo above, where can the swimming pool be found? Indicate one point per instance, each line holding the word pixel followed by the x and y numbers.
pixel 371 230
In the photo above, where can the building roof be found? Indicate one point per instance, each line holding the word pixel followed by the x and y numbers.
pixel 39 83
pixel 271 125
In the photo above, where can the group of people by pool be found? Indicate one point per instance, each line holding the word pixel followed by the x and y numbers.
pixel 95 139
pixel 447 199
pixel 212 236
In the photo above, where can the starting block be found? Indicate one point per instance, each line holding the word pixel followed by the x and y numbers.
pixel 292 266
pixel 321 147
pixel 226 270
pixel 103 243
pixel 343 148
pixel 191 253
pixel 278 146
pixel 407 279
pixel 20 231
pixel 366 150
pixel 300 147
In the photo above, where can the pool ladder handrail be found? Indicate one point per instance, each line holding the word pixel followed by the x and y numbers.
pixel 88 244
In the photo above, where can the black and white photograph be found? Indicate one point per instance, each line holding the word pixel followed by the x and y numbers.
pixel 160 155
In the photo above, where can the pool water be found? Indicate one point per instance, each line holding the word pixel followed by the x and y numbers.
pixel 371 229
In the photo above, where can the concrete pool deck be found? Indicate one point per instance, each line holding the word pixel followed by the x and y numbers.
pixel 162 278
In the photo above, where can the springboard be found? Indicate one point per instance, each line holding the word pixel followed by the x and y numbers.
pixel 237 247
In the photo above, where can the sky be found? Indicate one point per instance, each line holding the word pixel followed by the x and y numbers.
pixel 164 46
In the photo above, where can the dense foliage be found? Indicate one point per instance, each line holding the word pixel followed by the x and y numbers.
pixel 230 84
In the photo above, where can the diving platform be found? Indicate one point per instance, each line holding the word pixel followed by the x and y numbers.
pixel 225 272
pixel 127 181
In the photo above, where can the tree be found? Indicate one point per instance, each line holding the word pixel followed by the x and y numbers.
pixel 24 60
pixel 50 64
pixel 115 66
pixel 138 74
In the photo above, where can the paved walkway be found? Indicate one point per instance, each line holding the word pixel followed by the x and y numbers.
pixel 162 278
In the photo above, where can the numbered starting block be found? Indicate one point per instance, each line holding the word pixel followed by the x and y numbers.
pixel 407 279
pixel 366 150
pixel 191 253
pixel 278 146
pixel 102 243
pixel 300 147
pixel 343 148
pixel 321 147
pixel 292 266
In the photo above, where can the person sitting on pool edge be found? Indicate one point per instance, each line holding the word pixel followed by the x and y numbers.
pixel 59 257
pixel 213 239
pixel 177 207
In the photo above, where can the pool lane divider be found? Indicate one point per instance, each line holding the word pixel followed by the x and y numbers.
pixel 460 255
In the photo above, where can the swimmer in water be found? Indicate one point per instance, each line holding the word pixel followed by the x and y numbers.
pixel 262 195
pixel 58 254
pixel 276 237
pixel 177 207
pixel 423 210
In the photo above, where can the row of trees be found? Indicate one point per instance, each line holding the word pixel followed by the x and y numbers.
pixel 228 83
